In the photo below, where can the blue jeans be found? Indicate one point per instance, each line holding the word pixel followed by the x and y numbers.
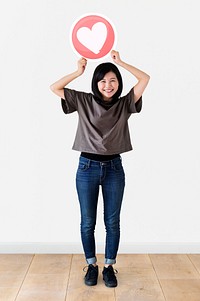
pixel 110 176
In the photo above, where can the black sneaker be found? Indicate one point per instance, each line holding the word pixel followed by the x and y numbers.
pixel 109 276
pixel 91 275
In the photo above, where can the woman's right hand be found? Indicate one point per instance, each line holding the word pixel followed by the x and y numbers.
pixel 82 62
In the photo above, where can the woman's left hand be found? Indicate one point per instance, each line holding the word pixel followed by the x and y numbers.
pixel 115 56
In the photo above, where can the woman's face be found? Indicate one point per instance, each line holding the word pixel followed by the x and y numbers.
pixel 108 86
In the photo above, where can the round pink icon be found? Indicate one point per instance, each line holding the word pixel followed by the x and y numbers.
pixel 93 36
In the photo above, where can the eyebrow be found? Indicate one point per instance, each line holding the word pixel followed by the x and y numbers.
pixel 110 78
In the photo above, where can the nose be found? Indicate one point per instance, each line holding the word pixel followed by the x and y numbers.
pixel 108 84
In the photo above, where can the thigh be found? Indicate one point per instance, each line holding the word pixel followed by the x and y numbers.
pixel 113 189
pixel 87 185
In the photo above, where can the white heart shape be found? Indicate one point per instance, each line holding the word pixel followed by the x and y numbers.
pixel 93 39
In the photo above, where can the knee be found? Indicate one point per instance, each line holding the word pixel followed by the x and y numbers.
pixel 88 225
pixel 112 225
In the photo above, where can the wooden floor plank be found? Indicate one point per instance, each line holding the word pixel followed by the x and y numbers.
pixel 8 294
pixel 15 263
pixel 43 287
pixel 140 290
pixel 51 264
pixel 41 296
pixel 195 258
pixel 178 277
pixel 134 260
pixel 46 279
pixel 13 269
pixel 181 289
pixel 133 267
pixel 137 279
pixel 174 266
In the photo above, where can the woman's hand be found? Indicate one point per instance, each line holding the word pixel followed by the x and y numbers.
pixel 82 62
pixel 115 56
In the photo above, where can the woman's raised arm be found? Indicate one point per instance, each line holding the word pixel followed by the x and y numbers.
pixel 58 86
pixel 142 77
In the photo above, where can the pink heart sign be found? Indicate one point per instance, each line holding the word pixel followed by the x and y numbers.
pixel 93 36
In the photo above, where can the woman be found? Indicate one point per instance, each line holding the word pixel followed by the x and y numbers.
pixel 102 135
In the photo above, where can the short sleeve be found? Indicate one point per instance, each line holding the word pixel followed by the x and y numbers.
pixel 69 103
pixel 133 107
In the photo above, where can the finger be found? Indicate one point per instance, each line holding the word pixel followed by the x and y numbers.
pixel 112 53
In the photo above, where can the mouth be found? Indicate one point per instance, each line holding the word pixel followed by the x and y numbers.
pixel 108 90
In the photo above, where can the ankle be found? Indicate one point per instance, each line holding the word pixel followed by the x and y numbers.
pixel 107 265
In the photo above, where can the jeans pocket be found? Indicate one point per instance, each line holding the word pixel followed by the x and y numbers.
pixel 118 167
pixel 83 166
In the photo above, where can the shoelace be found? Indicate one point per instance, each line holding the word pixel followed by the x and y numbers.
pixel 86 267
pixel 112 272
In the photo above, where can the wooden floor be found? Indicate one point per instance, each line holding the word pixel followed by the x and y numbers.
pixel 170 277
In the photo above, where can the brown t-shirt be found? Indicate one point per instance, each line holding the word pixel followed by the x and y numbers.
pixel 101 131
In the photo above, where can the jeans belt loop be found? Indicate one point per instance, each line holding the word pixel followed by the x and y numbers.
pixel 88 163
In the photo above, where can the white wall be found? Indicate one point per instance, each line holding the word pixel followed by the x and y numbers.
pixel 39 209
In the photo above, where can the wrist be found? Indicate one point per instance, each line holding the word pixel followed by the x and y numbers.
pixel 121 63
pixel 77 73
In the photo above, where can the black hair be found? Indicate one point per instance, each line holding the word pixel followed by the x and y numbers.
pixel 99 74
